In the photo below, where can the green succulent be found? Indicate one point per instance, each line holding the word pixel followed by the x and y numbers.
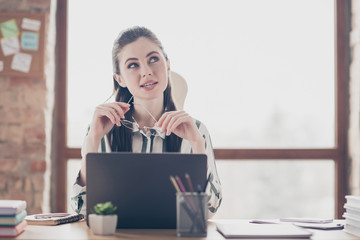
pixel 106 208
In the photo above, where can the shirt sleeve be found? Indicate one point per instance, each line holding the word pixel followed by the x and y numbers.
pixel 78 197
pixel 214 188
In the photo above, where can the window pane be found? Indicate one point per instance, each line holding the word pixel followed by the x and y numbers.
pixel 260 74
pixel 274 189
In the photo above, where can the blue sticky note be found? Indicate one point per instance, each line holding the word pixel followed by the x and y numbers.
pixel 29 41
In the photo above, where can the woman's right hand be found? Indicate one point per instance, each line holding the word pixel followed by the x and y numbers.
pixel 105 116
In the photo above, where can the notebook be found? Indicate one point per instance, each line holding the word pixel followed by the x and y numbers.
pixel 51 221
pixel 262 231
pixel 139 185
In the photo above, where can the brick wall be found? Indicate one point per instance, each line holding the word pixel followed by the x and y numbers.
pixel 26 106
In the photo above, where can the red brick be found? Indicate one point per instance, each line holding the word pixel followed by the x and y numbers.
pixel 35 98
pixel 34 134
pixel 10 150
pixel 9 165
pixel 33 116
pixel 37 166
pixel 34 150
pixel 12 115
pixel 38 182
pixel 38 199
pixel 19 82
pixel 3 128
pixel 27 185
pixel 12 98
pixel 14 133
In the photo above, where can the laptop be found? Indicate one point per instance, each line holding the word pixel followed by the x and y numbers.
pixel 139 185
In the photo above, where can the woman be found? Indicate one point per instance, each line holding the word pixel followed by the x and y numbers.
pixel 143 117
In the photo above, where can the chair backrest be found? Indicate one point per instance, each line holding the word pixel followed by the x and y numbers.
pixel 179 89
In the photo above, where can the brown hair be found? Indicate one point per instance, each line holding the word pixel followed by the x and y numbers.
pixel 122 136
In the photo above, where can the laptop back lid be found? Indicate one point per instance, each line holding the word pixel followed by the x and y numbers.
pixel 139 185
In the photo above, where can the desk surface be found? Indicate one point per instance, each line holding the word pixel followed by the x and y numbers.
pixel 79 230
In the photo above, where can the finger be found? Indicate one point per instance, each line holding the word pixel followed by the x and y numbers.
pixel 124 106
pixel 119 111
pixel 162 119
pixel 176 122
pixel 109 112
pixel 166 118
pixel 170 119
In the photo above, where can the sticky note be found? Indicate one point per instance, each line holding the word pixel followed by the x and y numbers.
pixel 10 45
pixel 29 41
pixel 1 66
pixel 21 62
pixel 30 24
pixel 9 29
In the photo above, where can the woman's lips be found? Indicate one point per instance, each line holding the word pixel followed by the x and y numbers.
pixel 149 84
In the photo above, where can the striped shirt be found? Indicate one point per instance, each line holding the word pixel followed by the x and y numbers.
pixel 154 143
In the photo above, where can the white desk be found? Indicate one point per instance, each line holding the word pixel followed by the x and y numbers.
pixel 79 230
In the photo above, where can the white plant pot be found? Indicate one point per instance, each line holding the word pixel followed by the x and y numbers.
pixel 103 224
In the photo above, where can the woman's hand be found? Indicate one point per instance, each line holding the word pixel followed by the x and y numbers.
pixel 183 125
pixel 106 116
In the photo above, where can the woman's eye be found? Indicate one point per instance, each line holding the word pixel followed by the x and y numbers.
pixel 154 59
pixel 132 65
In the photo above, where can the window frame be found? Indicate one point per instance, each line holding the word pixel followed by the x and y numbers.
pixel 339 153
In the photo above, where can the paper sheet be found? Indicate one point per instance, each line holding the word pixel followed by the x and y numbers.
pixel 1 66
pixel 21 62
pixel 29 41
pixel 10 45
pixel 9 29
pixel 30 24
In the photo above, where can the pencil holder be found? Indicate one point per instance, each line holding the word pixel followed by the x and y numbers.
pixel 191 214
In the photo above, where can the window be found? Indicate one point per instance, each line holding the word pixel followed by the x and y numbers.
pixel 266 75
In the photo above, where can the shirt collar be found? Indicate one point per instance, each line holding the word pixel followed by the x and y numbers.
pixel 154 129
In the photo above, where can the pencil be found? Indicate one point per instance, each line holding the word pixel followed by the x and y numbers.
pixel 181 185
pixel 172 179
pixel 187 176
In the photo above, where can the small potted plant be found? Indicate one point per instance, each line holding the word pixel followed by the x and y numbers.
pixel 103 220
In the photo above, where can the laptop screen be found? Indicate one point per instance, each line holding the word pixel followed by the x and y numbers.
pixel 139 185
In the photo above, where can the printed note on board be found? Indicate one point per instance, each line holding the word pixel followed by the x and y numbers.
pixel 29 41
pixel 21 62
pixel 9 29
pixel 10 45
pixel 30 24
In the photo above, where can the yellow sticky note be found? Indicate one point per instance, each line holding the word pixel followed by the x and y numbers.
pixel 9 29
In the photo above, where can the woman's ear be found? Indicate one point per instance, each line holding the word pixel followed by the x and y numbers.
pixel 119 79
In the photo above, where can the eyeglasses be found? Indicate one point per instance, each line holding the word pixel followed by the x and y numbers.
pixel 134 126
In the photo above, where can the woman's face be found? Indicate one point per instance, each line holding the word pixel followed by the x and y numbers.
pixel 143 69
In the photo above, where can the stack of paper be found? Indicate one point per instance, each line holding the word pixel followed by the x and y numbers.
pixel 352 215
pixel 12 214
pixel 261 231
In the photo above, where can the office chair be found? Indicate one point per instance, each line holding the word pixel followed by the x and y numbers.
pixel 179 89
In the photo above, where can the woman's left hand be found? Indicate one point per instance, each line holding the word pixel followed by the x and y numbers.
pixel 181 124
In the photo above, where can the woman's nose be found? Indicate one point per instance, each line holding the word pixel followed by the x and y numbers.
pixel 146 71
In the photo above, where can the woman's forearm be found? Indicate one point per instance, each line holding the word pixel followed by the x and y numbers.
pixel 91 145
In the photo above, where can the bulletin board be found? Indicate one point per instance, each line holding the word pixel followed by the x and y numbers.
pixel 22 44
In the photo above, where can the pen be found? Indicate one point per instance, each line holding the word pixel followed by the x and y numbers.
pixel 187 176
pixel 207 181
pixel 51 215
